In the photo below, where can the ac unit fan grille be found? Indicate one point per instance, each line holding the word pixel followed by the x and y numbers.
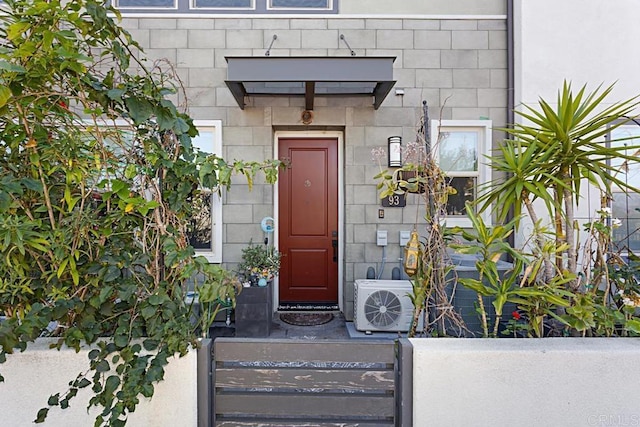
pixel 382 308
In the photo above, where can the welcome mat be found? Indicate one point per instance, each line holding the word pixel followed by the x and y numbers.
pixel 306 319
pixel 307 306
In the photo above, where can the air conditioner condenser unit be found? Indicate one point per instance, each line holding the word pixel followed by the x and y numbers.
pixel 383 305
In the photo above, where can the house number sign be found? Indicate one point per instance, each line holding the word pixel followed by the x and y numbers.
pixel 395 201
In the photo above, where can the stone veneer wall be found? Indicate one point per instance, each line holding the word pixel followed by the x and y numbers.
pixel 459 66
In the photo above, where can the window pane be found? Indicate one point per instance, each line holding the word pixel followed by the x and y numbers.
pixel 458 151
pixel 200 232
pixel 627 235
pixel 204 141
pixel 317 4
pixel 204 226
pixel 146 3
pixel 224 3
pixel 628 172
pixel 465 191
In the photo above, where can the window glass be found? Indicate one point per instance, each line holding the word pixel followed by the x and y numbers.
pixel 465 192
pixel 205 226
pixel 248 4
pixel 625 206
pixel 627 172
pixel 458 145
pixel 458 151
pixel 119 142
pixel 146 3
pixel 300 4
pixel 627 235
pixel 201 224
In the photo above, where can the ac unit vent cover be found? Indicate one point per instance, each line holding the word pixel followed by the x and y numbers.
pixel 382 309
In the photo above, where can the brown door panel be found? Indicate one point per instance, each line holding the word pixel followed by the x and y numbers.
pixel 308 202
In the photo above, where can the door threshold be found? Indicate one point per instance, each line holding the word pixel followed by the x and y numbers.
pixel 307 306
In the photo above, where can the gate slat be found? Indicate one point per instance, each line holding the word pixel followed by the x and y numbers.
pixel 309 406
pixel 347 380
pixel 229 349
pixel 280 423
pixel 304 383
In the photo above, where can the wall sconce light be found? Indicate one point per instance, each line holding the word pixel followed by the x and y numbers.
pixel 395 151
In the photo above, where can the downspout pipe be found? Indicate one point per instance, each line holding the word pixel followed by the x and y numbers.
pixel 510 64
pixel 510 84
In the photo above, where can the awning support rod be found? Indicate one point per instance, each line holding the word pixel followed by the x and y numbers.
pixel 268 52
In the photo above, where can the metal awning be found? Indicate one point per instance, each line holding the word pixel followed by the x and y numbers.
pixel 310 77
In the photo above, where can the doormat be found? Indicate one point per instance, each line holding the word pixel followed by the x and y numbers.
pixel 307 306
pixel 306 319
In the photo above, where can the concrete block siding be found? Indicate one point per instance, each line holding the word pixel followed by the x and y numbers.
pixel 458 59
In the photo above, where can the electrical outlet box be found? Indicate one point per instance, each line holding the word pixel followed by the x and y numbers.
pixel 404 238
pixel 381 238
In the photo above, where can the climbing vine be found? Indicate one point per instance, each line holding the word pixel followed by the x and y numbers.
pixel 97 172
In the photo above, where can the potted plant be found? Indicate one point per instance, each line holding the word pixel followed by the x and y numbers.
pixel 254 305
pixel 260 264
pixel 411 177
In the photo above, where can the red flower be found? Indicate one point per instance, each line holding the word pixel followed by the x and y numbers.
pixel 516 315
pixel 63 105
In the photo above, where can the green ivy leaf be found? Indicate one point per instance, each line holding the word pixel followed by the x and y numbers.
pixel 150 344
pixel 113 273
pixel 8 66
pixel 42 415
pixel 121 340
pixel 140 110
pixel 84 383
pixel 148 312
pixel 5 95
pixel 54 400
pixel 115 94
pixel 102 366
pixel 156 299
pixel 111 384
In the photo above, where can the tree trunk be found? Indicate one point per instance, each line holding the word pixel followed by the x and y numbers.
pixel 560 237
pixel 548 265
pixel 572 262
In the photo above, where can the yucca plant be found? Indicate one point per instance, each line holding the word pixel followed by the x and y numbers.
pixel 549 155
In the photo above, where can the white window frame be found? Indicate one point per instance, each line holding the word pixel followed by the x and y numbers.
pixel 256 7
pixel 192 6
pixel 271 7
pixel 213 255
pixel 116 4
pixel 482 175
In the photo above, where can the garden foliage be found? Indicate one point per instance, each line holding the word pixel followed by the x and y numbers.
pixel 97 173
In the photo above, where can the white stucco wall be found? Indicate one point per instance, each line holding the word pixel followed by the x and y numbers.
pixel 583 41
pixel 31 377
pixel 526 382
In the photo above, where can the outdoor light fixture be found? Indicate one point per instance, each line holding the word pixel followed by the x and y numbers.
pixel 395 151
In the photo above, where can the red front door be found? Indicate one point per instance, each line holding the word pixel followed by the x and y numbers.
pixel 308 206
